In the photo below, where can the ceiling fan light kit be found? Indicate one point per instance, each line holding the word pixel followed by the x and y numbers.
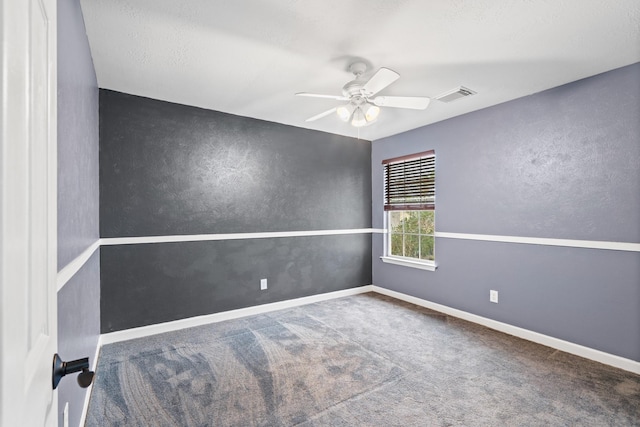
pixel 345 112
pixel 371 112
pixel 363 108
pixel 359 119
pixel 359 112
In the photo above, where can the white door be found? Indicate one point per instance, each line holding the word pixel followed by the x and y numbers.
pixel 28 212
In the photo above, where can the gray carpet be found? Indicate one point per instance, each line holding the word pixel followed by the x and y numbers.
pixel 366 360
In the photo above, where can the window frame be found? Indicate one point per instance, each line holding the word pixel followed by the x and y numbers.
pixel 389 207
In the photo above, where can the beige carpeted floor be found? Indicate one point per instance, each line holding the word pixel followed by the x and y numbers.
pixel 365 360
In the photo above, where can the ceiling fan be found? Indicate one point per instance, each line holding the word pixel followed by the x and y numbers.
pixel 363 107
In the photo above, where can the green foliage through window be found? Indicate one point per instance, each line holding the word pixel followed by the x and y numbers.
pixel 412 234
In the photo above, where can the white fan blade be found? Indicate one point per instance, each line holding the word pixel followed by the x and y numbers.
pixel 318 95
pixel 413 102
pixel 321 115
pixel 381 79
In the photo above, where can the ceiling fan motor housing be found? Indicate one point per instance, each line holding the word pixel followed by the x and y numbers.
pixel 358 68
pixel 352 89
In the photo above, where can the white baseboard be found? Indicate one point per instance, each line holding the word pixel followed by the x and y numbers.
pixel 143 331
pixel 558 344
pixel 87 396
pixel 566 346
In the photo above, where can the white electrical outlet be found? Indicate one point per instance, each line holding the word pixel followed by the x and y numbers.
pixel 65 415
pixel 263 284
pixel 493 296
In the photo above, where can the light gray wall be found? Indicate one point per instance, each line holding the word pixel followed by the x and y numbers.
pixel 564 163
pixel 78 331
pixel 78 203
pixel 168 169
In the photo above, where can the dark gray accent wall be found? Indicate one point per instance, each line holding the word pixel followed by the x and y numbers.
pixel 78 201
pixel 564 163
pixel 169 169
pixel 152 283
pixel 174 169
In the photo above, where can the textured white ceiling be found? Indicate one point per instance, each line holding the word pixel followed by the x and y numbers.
pixel 249 57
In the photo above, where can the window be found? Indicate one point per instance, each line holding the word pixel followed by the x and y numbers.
pixel 411 234
pixel 409 204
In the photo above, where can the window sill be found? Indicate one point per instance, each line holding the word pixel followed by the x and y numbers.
pixel 422 265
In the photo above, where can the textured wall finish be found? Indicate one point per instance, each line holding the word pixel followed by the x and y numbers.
pixel 586 296
pixel 152 283
pixel 78 199
pixel 168 169
pixel 78 330
pixel 172 169
pixel 564 163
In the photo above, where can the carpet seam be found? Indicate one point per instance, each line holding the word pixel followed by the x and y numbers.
pixel 329 408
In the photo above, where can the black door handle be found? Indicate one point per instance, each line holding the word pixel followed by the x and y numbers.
pixel 60 369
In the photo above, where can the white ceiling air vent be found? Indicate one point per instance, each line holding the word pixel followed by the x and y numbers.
pixel 457 93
